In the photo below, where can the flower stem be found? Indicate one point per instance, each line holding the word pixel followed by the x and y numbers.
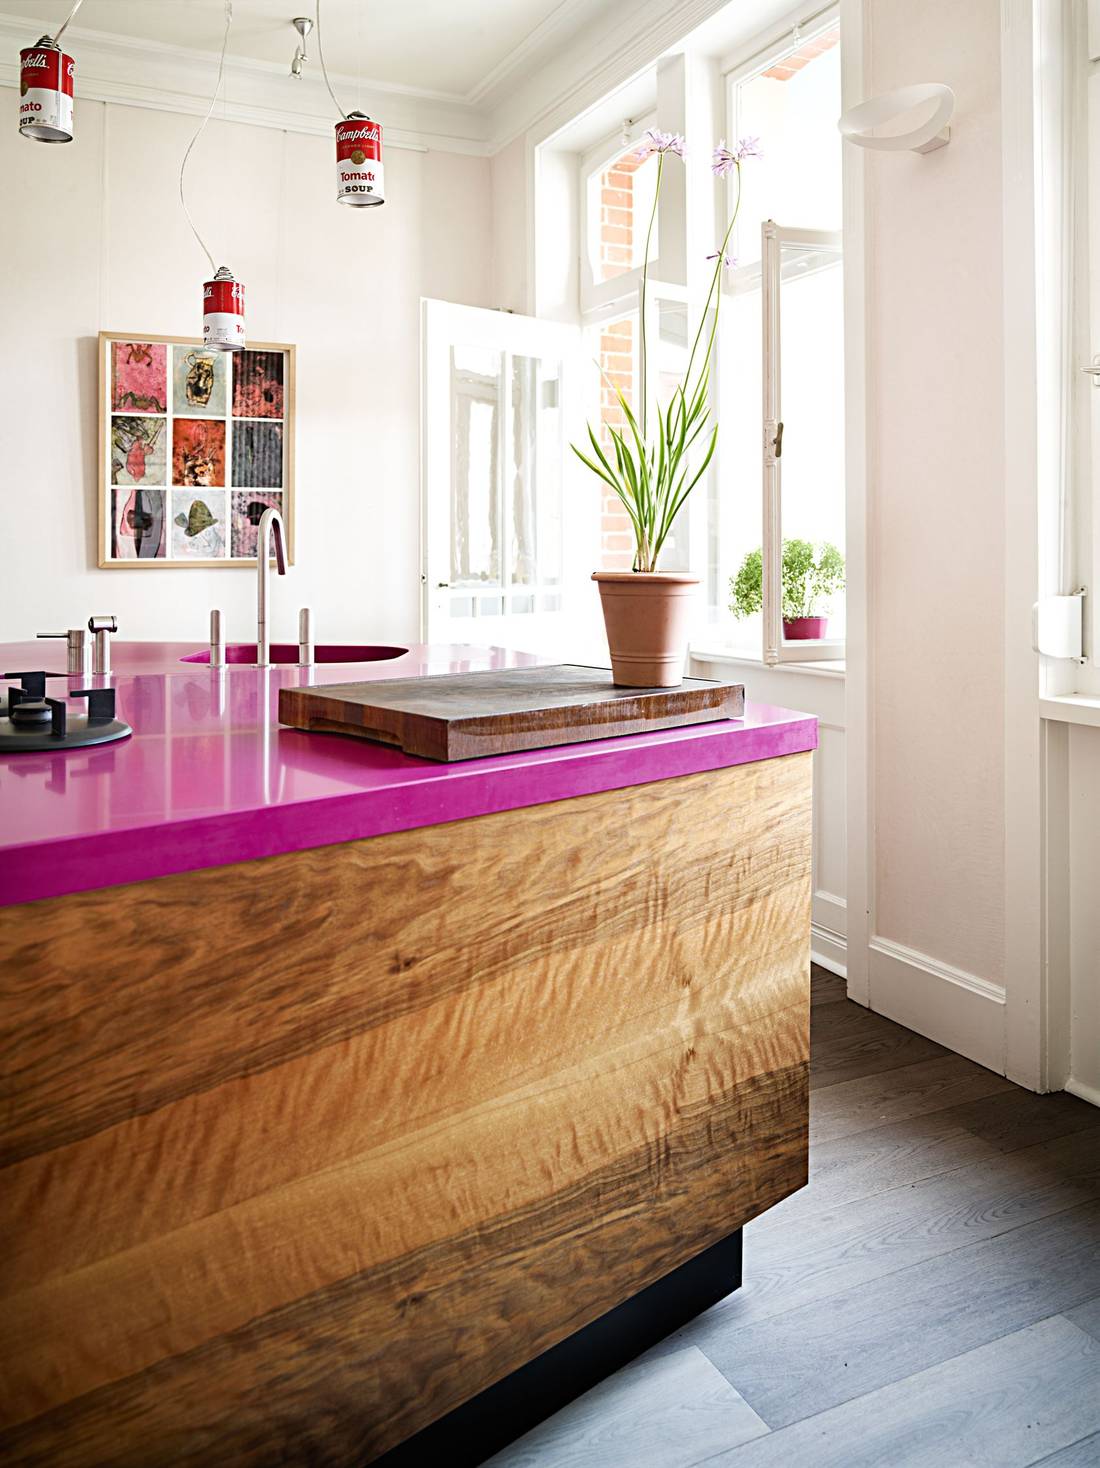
pixel 715 280
pixel 645 277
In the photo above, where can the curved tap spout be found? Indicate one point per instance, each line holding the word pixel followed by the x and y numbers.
pixel 270 520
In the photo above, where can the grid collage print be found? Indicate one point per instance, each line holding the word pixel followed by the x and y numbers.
pixel 197 449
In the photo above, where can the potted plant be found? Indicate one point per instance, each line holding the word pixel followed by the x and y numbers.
pixel 811 576
pixel 654 464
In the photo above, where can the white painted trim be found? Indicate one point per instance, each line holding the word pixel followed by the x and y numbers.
pixel 829 949
pixel 834 904
pixel 936 967
pixel 138 73
pixel 859 746
pixel 958 1009
pixel 1071 708
pixel 1091 1094
pixel 1036 977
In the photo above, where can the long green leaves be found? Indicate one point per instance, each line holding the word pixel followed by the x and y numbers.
pixel 653 476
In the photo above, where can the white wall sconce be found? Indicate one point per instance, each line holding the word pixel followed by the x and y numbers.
pixel 859 123
pixel 303 25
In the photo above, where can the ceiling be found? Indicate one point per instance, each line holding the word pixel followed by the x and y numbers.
pixel 434 46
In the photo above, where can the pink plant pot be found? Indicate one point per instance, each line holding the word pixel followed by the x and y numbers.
pixel 805 629
pixel 646 616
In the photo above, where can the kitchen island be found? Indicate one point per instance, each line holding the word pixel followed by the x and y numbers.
pixel 340 1086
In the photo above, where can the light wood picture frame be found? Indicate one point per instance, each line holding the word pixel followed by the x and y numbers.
pixel 194 444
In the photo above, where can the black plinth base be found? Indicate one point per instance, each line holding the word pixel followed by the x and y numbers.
pixel 496 1417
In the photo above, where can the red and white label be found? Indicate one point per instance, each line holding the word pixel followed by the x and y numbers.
pixel 223 313
pixel 46 94
pixel 359 173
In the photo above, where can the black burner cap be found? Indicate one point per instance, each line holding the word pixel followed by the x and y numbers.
pixel 31 711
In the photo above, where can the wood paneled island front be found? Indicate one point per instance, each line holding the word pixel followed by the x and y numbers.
pixel 301 1152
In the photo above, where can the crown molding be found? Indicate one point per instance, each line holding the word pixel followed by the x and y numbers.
pixel 137 73
pixel 626 40
pixel 544 83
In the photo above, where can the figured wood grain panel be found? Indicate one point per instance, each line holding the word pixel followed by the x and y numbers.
pixel 442 1098
pixel 358 933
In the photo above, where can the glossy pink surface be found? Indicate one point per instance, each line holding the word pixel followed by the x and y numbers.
pixel 210 777
pixel 287 652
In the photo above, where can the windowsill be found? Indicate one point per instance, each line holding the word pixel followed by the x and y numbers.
pixel 719 653
pixel 1071 708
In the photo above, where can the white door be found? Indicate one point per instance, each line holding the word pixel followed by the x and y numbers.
pixel 509 521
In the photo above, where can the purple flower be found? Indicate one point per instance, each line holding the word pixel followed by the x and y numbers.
pixel 729 261
pixel 656 141
pixel 727 159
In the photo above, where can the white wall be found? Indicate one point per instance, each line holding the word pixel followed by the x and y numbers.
pixel 92 237
pixel 934 663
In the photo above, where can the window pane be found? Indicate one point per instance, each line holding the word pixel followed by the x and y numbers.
pixel 620 202
pixel 812 392
pixel 475 517
pixel 613 345
pixel 536 477
pixel 735 523
pixel 792 106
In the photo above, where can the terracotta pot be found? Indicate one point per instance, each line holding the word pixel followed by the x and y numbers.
pixel 646 617
pixel 805 629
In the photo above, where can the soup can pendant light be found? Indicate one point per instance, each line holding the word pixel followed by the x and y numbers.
pixel 223 312
pixel 359 177
pixel 46 93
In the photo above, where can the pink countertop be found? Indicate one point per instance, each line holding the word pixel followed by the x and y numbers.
pixel 210 777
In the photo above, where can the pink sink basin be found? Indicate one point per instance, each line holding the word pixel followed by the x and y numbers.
pixel 287 652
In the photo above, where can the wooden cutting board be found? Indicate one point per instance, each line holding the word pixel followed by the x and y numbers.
pixel 456 716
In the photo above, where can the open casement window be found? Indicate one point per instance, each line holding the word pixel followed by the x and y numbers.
pixel 803 429
pixel 509 538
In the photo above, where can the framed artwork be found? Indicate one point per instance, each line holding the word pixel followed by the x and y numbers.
pixel 194 445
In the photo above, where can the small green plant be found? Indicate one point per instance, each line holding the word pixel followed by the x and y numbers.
pixel 811 575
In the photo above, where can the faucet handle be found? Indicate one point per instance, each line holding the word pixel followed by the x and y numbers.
pixel 101 628
pixel 305 638
pixel 217 640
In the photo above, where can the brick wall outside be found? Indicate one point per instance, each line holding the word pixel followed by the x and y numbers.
pixel 616 354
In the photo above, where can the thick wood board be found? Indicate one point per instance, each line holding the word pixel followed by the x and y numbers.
pixel 458 716
pixel 299 1155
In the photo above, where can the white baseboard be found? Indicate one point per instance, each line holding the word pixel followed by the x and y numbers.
pixel 829 949
pixel 1091 1094
pixel 955 1008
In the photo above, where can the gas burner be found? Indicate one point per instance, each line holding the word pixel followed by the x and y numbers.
pixel 31 721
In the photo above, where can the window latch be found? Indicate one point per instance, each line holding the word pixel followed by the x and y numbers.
pixel 777 441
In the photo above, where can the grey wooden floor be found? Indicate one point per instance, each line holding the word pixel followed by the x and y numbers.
pixel 932 1298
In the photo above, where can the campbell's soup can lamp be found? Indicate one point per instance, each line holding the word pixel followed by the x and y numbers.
pixel 223 312
pixel 359 177
pixel 46 93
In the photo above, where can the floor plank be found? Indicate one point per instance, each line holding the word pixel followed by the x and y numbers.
pixel 851 1042
pixel 1083 1454
pixel 826 988
pixel 814 1358
pixel 1008 1404
pixel 856 1166
pixel 1018 1118
pixel 789 1265
pixel 669 1412
pixel 1087 1318
pixel 894 1095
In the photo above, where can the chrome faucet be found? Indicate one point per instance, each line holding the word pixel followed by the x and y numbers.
pixel 270 520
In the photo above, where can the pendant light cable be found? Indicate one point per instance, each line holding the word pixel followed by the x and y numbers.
pixel 68 18
pixel 201 126
pixel 324 68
